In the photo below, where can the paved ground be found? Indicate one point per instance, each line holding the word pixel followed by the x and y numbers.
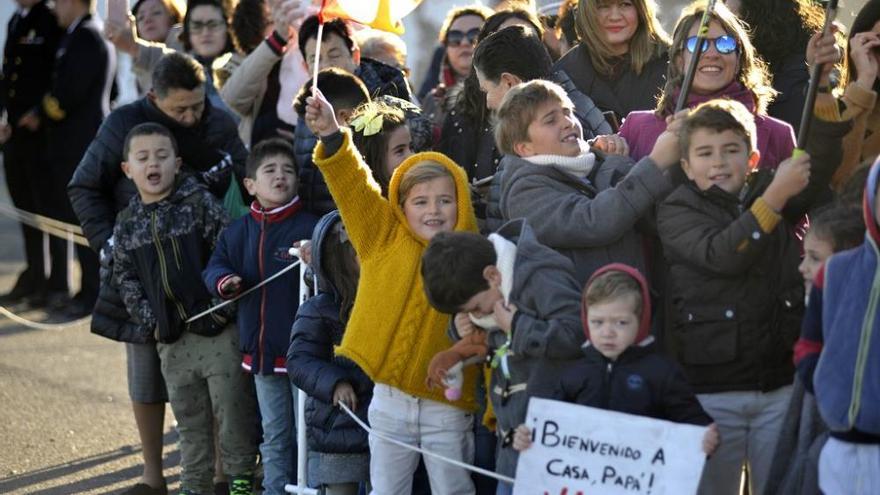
pixel 65 419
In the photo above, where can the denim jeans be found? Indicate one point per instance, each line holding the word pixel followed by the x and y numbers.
pixel 434 426
pixel 277 400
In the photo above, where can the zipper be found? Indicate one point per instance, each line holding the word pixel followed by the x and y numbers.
pixel 163 268
pixel 176 250
pixel 606 385
pixel 864 342
pixel 262 291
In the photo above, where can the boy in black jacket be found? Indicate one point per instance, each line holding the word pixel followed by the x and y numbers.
pixel 620 370
pixel 734 290
pixel 162 241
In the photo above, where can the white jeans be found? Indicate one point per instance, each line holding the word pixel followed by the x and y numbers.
pixel 849 468
pixel 433 426
pixel 749 425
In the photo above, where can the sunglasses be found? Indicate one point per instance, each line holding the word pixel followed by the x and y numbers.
pixel 456 38
pixel 723 44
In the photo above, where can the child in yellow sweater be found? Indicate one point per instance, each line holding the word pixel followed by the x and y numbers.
pixel 393 332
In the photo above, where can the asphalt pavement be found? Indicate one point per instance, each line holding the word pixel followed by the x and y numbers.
pixel 66 425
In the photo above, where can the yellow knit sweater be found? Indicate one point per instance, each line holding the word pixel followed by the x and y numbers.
pixel 393 332
pixel 863 141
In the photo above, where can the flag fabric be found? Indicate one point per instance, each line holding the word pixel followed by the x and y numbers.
pixel 385 15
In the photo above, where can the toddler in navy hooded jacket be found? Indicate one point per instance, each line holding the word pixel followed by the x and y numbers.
pixel 251 249
pixel 620 370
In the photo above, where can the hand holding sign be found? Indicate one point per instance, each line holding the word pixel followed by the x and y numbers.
pixel 578 449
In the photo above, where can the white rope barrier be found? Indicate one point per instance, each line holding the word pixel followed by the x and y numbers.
pixel 454 462
pixel 42 326
pixel 236 298
pixel 47 225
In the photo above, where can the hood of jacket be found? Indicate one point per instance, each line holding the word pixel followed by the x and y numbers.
pixel 325 225
pixel 869 202
pixel 644 318
pixel 465 221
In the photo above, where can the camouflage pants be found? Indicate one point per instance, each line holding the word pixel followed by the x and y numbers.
pixel 205 381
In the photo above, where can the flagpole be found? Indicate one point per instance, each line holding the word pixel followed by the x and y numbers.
pixel 813 88
pixel 695 57
pixel 317 64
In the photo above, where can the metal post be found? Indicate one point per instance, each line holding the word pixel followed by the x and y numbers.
pixel 301 486
pixel 70 248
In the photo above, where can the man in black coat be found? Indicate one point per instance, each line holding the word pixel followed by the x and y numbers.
pixel 71 112
pixel 210 147
pixel 32 38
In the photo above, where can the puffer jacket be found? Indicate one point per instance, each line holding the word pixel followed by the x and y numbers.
pixel 640 381
pixel 313 367
pixel 99 189
pixel 735 296
pixel 380 79
pixel 160 250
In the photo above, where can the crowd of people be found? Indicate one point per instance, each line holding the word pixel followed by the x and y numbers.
pixel 537 220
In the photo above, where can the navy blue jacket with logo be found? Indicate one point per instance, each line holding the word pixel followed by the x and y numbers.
pixel 255 247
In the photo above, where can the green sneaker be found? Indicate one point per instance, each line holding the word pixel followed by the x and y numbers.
pixel 241 485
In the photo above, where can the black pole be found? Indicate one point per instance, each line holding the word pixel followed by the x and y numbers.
pixel 815 73
pixel 695 59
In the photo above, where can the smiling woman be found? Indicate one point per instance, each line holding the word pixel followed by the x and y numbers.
pixel 729 68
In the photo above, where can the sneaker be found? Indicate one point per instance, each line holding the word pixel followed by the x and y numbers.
pixel 241 485
pixel 145 489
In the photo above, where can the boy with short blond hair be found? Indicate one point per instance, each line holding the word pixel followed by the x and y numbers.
pixel 161 243
pixel 252 249
pixel 735 293
pixel 581 202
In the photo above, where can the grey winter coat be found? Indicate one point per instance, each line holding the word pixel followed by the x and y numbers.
pixel 590 220
pixel 546 325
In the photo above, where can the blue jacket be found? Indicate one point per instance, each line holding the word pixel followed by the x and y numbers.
pixel 255 247
pixel 314 368
pixel 838 354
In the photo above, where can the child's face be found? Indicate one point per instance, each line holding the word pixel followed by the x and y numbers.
pixel 398 149
pixel 816 251
pixel 613 326
pixel 430 207
pixel 152 165
pixel 554 131
pixel 274 183
pixel 718 159
pixel 483 303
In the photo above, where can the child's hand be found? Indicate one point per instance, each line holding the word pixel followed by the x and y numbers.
pixel 305 251
pixel 611 144
pixel 824 50
pixel 345 393
pixel 666 152
pixel 320 117
pixel 464 325
pixel 711 439
pixel 231 285
pixel 791 177
pixel 504 315
pixel 522 438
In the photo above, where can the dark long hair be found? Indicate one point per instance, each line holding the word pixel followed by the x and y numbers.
pixel 781 27
pixel 192 4
pixel 341 267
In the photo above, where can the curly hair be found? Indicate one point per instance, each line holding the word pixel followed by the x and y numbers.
pixel 249 21
pixel 753 73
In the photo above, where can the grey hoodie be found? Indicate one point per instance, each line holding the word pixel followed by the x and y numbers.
pixel 546 325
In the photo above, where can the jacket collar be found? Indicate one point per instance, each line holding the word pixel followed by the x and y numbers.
pixel 276 214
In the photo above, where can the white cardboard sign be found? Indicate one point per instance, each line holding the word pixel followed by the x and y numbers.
pixel 580 450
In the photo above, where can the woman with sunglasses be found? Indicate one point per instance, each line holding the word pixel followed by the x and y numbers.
pixel 621 58
pixel 458 35
pixel 729 67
